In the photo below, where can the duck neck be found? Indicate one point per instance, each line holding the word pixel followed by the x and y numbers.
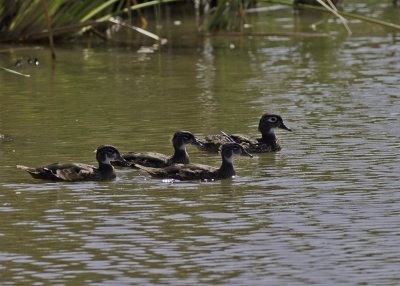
pixel 180 155
pixel 226 170
pixel 268 136
pixel 106 168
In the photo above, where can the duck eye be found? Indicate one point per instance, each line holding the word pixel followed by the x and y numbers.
pixel 273 119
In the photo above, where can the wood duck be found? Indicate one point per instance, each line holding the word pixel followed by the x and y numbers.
pixel 157 160
pixel 77 171
pixel 267 143
pixel 201 172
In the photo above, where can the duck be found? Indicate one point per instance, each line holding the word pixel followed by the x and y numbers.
pixel 157 160
pixel 185 172
pixel 77 171
pixel 267 143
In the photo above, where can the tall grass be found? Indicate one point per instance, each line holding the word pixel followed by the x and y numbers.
pixel 26 20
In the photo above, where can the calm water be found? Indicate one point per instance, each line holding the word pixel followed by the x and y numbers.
pixel 323 211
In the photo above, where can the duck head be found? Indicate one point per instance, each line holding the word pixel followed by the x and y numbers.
pixel 230 149
pixel 107 153
pixel 181 138
pixel 270 121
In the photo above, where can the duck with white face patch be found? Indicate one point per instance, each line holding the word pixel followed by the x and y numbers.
pixel 201 172
pixel 267 143
pixel 78 171
pixel 158 160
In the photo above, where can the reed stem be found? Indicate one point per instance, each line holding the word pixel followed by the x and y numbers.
pixel 49 30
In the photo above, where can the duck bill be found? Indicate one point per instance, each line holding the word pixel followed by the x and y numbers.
pixel 122 160
pixel 246 154
pixel 197 143
pixel 283 126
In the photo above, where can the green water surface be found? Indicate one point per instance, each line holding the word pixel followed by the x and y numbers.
pixel 323 211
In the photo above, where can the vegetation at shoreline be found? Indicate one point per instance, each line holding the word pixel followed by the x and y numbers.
pixel 25 21
pixel 32 20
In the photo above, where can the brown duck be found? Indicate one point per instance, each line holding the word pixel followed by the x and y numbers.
pixel 157 160
pixel 267 143
pixel 201 172
pixel 78 171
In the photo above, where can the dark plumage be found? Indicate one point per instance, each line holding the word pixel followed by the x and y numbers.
pixel 77 171
pixel 201 172
pixel 157 160
pixel 267 143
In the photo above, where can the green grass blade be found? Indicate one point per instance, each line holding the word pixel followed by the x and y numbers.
pixel 98 10
pixel 344 14
pixel 15 72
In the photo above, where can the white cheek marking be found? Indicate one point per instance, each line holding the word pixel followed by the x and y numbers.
pixel 229 159
pixel 106 161
pixel 182 147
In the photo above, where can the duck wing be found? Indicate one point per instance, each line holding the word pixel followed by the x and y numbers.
pixel 182 172
pixel 148 159
pixel 62 172
pixel 244 140
pixel 75 172
pixel 212 143
pixel 197 172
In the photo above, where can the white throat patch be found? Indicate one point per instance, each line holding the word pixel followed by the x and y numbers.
pixel 229 159
pixel 106 161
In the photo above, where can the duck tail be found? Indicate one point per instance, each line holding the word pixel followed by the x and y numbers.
pixel 27 169
pixel 133 165
pixel 229 137
pixel 154 172
pixel 140 167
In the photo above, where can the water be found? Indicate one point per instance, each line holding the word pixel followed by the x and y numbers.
pixel 323 211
